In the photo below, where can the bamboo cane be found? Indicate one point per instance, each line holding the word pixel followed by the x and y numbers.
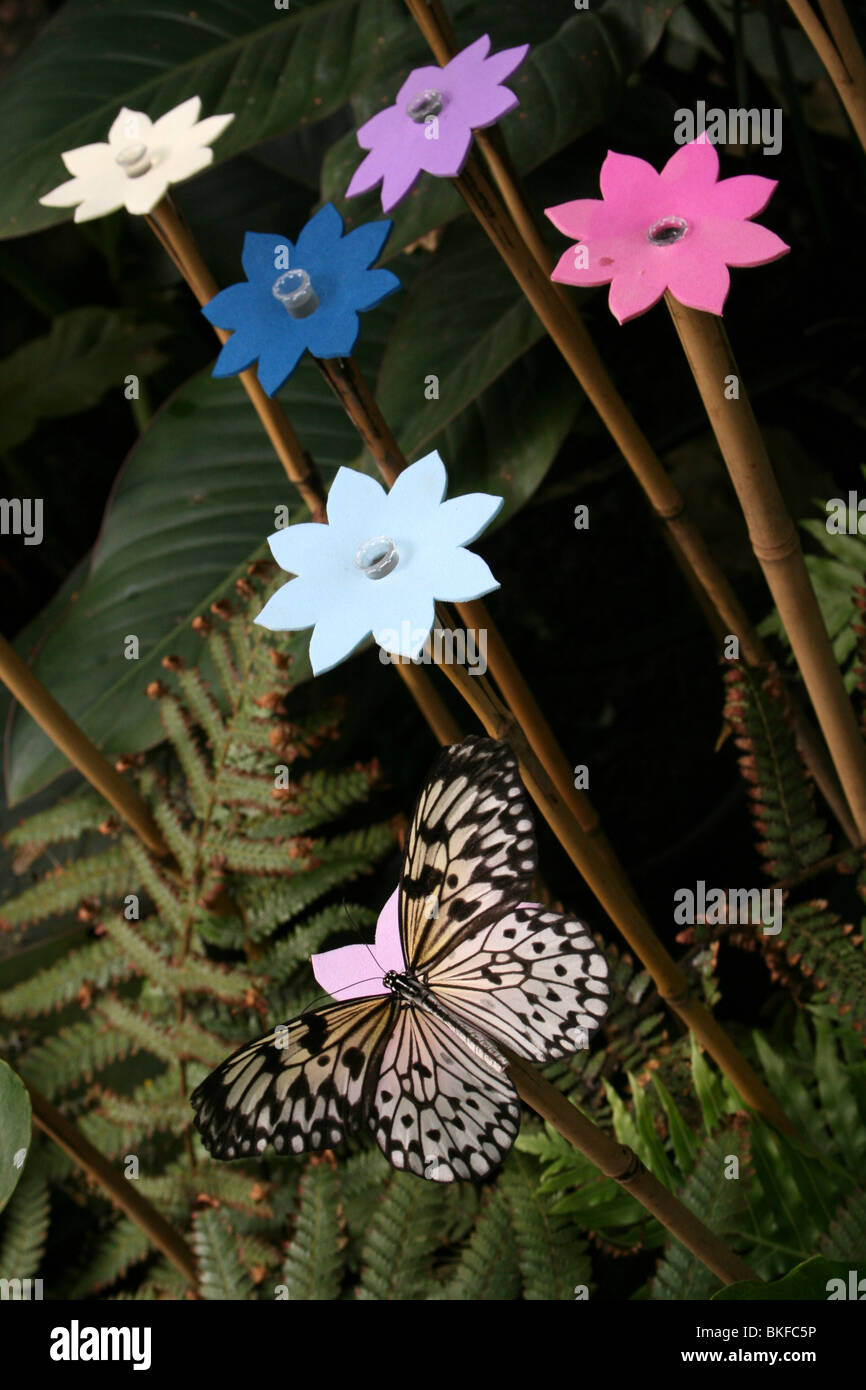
pixel 618 1162
pixel 81 752
pixel 116 1187
pixel 620 905
pixel 841 55
pixel 775 544
pixel 516 236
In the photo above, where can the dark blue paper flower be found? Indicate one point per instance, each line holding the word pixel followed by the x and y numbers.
pixel 301 297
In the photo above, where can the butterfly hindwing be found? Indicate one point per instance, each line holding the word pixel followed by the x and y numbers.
pixel 533 979
pixel 470 852
pixel 302 1086
pixel 439 1111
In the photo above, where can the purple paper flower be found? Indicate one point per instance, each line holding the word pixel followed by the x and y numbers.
pixel 430 125
pixel 300 298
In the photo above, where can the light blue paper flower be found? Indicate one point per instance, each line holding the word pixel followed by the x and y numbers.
pixel 380 563
pixel 299 298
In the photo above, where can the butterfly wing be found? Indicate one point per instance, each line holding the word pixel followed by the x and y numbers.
pixel 470 853
pixel 303 1086
pixel 438 1110
pixel 533 979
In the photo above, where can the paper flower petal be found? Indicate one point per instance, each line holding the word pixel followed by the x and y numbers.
pixel 334 638
pixel 294 607
pixel 348 972
pixel 745 195
pixel 338 275
pixel 175 145
pixel 462 519
pixel 700 283
pixel 677 230
pixel 696 164
pixel 464 577
pixel 636 289
pixel 86 160
pixel 177 121
pixel 400 148
pixel 299 548
pixel 354 496
pixel 417 489
pixel 344 601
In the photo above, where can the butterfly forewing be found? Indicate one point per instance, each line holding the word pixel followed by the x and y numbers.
pixel 300 1087
pixel 470 853
pixel 440 1111
pixel 533 979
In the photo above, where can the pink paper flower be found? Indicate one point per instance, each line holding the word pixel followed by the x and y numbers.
pixel 677 230
pixel 430 125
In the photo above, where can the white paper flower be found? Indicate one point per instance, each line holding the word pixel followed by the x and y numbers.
pixel 140 160
pixel 380 563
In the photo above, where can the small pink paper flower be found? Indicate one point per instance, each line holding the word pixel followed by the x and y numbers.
pixel 677 230
pixel 431 123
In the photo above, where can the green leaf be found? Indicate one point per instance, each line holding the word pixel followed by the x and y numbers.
pixel 462 324
pixel 15 1126
pixel 87 352
pixel 199 489
pixel 685 1144
pixel 276 69
pixel 808 1280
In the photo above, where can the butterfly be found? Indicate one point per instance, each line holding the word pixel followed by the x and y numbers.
pixel 416 1055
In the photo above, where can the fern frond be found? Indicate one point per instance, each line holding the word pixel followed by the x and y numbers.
pixel 165 893
pixel 123 1246
pixel 397 1255
pixel 24 1223
pixel 718 1200
pixel 846 1238
pixel 792 834
pixel 221 1273
pixel 488 1268
pixel 69 818
pixel 178 728
pixel 92 967
pixel 552 1255
pixel 313 1266
pixel 96 875
pixel 72 1055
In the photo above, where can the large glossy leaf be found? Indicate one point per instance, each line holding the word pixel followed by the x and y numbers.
pixel 14 1132
pixel 191 507
pixel 461 324
pixel 195 502
pixel 87 352
pixel 274 68
pixel 810 1280
pixel 279 69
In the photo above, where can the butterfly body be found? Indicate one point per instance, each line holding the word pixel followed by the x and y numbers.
pixel 418 1058
pixel 416 994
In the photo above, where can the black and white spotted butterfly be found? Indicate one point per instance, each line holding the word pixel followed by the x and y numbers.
pixel 420 1063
